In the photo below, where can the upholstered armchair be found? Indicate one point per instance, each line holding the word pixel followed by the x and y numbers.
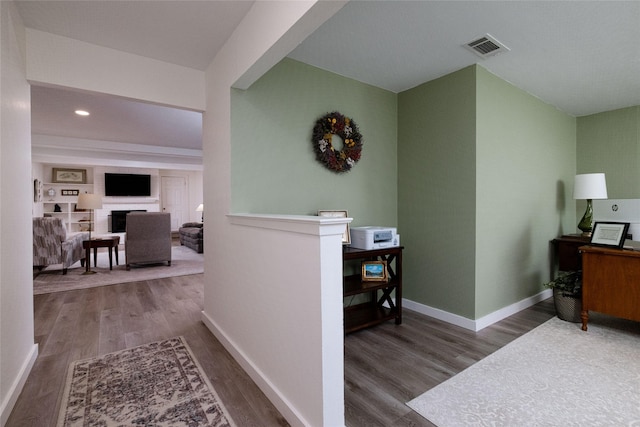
pixel 191 235
pixel 148 238
pixel 52 245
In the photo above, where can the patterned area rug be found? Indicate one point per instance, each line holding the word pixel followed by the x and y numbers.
pixel 184 261
pixel 555 375
pixel 157 384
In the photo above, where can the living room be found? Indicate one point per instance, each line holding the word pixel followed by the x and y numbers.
pixel 444 200
pixel 65 195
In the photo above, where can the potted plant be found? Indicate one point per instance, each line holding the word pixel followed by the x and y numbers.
pixel 567 295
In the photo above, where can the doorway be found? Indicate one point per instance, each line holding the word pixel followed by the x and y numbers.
pixel 174 199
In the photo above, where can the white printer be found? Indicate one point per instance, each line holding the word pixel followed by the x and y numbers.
pixel 374 237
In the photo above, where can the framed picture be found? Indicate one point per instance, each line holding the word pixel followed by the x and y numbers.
pixel 70 192
pixel 74 176
pixel 37 190
pixel 374 271
pixel 610 234
pixel 346 237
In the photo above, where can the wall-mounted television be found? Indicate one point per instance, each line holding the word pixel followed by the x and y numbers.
pixel 127 184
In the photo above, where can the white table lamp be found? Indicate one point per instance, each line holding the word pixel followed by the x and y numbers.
pixel 587 187
pixel 91 202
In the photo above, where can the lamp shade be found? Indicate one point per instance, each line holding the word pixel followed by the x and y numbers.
pixel 89 201
pixel 200 208
pixel 590 186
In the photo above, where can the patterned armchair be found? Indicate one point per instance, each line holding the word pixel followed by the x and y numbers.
pixel 51 245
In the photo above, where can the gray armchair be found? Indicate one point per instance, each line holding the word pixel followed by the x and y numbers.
pixel 191 235
pixel 52 245
pixel 148 238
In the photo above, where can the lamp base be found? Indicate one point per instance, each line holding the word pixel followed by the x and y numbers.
pixel 586 223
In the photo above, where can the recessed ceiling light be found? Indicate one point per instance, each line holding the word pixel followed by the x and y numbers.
pixel 82 113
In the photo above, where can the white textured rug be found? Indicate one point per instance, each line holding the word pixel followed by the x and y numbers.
pixel 183 261
pixel 555 375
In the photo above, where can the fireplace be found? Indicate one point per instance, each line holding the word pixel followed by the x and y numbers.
pixel 118 220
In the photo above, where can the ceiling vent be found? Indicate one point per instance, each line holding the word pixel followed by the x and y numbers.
pixel 486 46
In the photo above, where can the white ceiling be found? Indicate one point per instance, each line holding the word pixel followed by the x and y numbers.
pixel 581 56
pixel 112 119
pixel 187 33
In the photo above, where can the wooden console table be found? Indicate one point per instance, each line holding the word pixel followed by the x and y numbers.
pixel 371 313
pixel 610 282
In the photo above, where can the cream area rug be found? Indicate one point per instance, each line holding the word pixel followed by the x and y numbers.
pixel 183 261
pixel 555 375
pixel 159 384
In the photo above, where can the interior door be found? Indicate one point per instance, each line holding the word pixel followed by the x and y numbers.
pixel 174 199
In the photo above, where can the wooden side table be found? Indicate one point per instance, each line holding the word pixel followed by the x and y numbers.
pixel 108 242
pixel 567 252
pixel 371 313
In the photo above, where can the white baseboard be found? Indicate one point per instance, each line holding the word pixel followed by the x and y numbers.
pixel 273 394
pixel 477 324
pixel 17 385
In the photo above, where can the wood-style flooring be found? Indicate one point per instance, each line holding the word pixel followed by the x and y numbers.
pixel 389 365
pixel 385 366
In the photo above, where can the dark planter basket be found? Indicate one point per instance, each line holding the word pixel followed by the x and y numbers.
pixel 567 307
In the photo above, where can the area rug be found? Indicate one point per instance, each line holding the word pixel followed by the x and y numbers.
pixel 555 375
pixel 183 261
pixel 157 384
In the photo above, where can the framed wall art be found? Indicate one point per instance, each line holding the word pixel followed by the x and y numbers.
pixel 374 271
pixel 346 237
pixel 37 190
pixel 610 234
pixel 70 176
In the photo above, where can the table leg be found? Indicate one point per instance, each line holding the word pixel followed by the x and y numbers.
pixel 116 249
pixel 585 319
pixel 95 257
pixel 110 264
pixel 88 258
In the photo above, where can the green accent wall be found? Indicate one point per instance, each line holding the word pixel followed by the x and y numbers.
pixel 436 191
pixel 609 142
pixel 273 165
pixel 484 169
pixel 525 166
pixel 476 174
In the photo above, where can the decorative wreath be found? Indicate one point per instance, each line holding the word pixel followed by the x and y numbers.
pixel 337 124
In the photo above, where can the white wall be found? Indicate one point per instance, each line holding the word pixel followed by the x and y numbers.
pixel 66 62
pixel 53 61
pixel 295 362
pixel 270 31
pixel 17 348
pixel 60 61
pixel 282 319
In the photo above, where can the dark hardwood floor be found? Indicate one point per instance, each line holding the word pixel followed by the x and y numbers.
pixel 385 366
pixel 389 365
